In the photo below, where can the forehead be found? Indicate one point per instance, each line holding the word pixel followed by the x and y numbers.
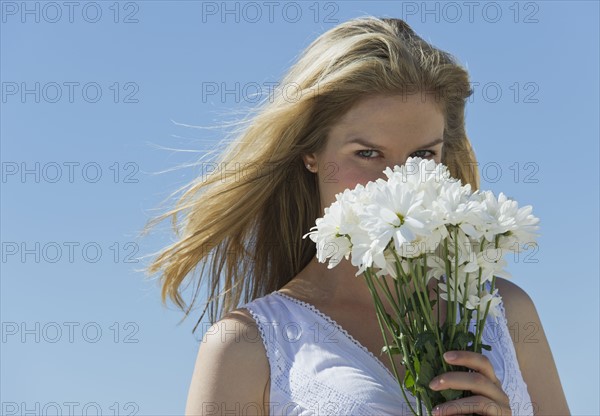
pixel 416 116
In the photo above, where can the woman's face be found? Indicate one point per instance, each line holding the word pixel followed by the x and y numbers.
pixel 377 132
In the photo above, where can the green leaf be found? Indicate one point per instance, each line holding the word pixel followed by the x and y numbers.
pixel 416 365
pixel 409 383
pixel 395 326
pixel 426 346
pixel 425 375
pixel 393 349
pixel 451 394
pixel 423 339
pixel 460 341
pixel 486 347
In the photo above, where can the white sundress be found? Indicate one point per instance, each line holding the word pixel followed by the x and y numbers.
pixel 317 368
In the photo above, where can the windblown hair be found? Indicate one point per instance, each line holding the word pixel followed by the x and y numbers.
pixel 247 225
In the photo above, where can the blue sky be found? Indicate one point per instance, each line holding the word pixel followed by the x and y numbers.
pixel 95 96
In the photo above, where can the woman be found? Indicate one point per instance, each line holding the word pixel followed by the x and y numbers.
pixel 365 95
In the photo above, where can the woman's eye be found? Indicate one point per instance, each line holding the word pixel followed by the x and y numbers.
pixel 418 153
pixel 366 154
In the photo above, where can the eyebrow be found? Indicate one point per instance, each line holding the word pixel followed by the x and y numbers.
pixel 366 143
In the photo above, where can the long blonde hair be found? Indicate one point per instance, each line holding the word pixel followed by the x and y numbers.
pixel 246 221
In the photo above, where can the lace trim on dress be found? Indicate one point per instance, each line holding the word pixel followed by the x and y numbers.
pixel 513 383
pixel 261 329
pixel 338 327
pixel 313 397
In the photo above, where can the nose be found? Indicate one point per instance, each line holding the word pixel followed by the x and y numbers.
pixel 397 162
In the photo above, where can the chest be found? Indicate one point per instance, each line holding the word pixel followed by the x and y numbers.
pixel 363 326
pixel 319 370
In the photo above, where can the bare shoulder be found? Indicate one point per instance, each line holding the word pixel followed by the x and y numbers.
pixel 232 370
pixel 518 304
pixel 512 294
pixel 521 315
pixel 533 350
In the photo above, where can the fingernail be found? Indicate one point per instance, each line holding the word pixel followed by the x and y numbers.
pixel 449 356
pixel 436 411
pixel 433 384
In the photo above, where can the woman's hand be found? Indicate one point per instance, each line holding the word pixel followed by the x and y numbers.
pixel 488 397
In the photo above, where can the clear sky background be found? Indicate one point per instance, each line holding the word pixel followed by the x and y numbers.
pixel 95 96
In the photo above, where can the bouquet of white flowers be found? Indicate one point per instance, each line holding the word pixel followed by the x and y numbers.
pixel 422 224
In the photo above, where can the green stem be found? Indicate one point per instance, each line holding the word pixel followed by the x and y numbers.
pixel 452 303
pixel 388 294
pixel 493 286
pixel 386 290
pixel 382 316
pixel 455 297
pixel 425 313
pixel 411 369
pixel 429 309
pixel 407 279
pixel 440 344
pixel 478 329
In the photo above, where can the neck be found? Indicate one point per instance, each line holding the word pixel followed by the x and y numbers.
pixel 336 286
pixel 338 289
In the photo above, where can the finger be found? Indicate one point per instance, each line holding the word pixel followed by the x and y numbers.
pixel 475 404
pixel 477 383
pixel 473 360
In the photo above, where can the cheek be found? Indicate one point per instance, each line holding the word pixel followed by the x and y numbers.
pixel 336 178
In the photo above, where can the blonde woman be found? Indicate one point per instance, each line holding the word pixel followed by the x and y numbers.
pixel 367 94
